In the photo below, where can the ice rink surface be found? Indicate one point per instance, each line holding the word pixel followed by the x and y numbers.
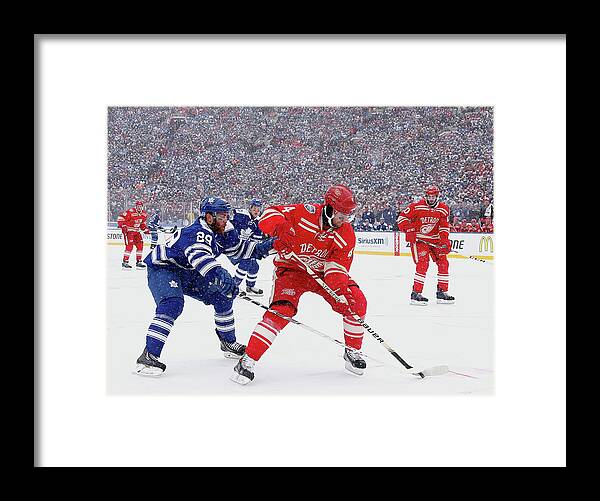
pixel 300 362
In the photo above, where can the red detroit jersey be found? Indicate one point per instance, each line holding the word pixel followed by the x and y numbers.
pixel 431 223
pixel 327 252
pixel 133 219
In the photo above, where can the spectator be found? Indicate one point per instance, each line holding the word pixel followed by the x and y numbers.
pixel 173 157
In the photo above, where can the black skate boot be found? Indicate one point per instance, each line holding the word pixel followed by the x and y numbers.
pixel 243 372
pixel 444 297
pixel 418 299
pixel 253 291
pixel 354 362
pixel 231 350
pixel 149 365
pixel 125 265
pixel 139 265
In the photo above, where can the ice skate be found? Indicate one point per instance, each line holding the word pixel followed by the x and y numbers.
pixel 354 362
pixel 243 372
pixel 149 365
pixel 444 298
pixel 140 266
pixel 253 291
pixel 125 265
pixel 152 246
pixel 418 299
pixel 233 350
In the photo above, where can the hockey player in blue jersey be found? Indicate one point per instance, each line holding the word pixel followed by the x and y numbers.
pixel 154 226
pixel 186 265
pixel 245 222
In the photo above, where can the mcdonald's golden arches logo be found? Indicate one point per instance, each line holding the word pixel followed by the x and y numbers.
pixel 486 242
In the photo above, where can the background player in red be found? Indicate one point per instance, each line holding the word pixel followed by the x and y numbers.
pixel 322 236
pixel 427 230
pixel 132 223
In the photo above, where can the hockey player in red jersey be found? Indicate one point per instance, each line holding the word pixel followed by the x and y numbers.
pixel 425 224
pixel 132 223
pixel 321 236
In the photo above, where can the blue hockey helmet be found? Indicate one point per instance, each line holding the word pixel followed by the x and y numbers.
pixel 256 203
pixel 214 205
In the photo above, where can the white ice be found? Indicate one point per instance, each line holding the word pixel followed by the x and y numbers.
pixel 300 362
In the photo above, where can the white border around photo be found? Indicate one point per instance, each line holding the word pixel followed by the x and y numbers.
pixel 523 424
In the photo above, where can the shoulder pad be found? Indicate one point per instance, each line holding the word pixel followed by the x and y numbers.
pixel 346 231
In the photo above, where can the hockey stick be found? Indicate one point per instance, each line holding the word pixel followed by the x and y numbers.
pixel 431 371
pixel 332 293
pixel 458 254
pixel 413 252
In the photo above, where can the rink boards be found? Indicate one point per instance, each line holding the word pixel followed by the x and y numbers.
pixel 386 243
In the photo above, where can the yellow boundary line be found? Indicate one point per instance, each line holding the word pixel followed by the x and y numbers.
pixel 388 253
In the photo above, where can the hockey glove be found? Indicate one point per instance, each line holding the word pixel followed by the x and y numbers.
pixel 411 235
pixel 285 237
pixel 262 249
pixel 224 283
pixel 346 306
pixel 444 247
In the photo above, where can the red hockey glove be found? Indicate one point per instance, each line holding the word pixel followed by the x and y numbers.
pixel 285 237
pixel 346 307
pixel 411 235
pixel 124 229
pixel 445 246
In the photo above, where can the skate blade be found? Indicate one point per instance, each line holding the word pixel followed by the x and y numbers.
pixel 418 303
pixel 438 370
pixel 254 294
pixel 142 370
pixel 227 354
pixel 444 301
pixel 238 378
pixel 354 370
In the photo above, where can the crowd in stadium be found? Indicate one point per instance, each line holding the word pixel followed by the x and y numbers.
pixel 173 157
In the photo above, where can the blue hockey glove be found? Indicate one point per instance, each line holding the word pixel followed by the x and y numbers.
pixel 225 283
pixel 262 249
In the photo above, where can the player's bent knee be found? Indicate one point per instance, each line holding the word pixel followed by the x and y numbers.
pixel 360 307
pixel 222 303
pixel 284 308
pixel 170 306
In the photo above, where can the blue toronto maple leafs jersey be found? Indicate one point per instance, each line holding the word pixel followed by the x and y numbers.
pixel 154 222
pixel 246 225
pixel 196 247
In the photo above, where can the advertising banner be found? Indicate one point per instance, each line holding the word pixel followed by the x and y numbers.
pixel 479 245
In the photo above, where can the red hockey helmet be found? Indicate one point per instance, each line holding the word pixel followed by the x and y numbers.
pixel 340 198
pixel 430 192
pixel 339 205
